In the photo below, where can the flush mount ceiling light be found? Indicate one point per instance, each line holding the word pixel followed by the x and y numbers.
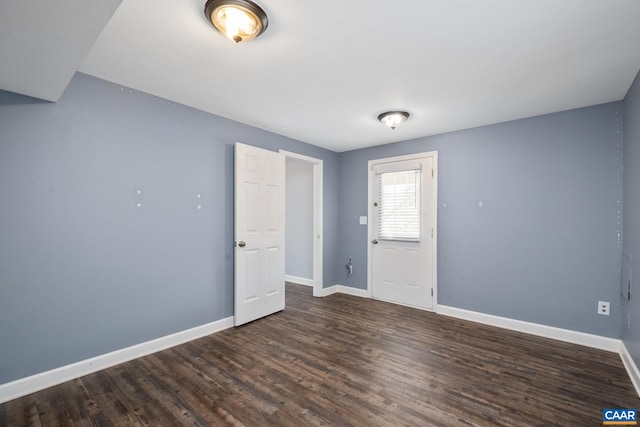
pixel 393 118
pixel 238 20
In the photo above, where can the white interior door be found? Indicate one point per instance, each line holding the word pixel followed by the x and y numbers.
pixel 259 233
pixel 403 200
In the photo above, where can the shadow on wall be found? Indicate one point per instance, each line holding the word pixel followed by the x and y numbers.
pixel 9 98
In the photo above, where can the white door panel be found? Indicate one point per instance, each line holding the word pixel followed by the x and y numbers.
pixel 259 233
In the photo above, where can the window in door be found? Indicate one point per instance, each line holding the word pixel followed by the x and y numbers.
pixel 399 206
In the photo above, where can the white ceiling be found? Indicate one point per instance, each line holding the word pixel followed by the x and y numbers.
pixel 42 43
pixel 324 70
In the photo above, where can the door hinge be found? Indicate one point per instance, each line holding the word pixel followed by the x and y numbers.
pixel 432 173
pixel 432 292
pixel 432 232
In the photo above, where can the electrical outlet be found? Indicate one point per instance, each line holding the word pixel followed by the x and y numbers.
pixel 603 308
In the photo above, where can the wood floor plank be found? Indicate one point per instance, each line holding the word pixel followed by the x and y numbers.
pixel 347 361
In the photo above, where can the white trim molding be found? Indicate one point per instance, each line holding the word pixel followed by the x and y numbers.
pixel 631 367
pixel 566 335
pixel 325 292
pixel 37 382
pixel 356 292
pixel 298 280
pixel 342 289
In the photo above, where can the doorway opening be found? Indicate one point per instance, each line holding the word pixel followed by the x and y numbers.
pixel 304 201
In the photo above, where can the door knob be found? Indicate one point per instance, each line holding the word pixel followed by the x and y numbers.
pixel 242 244
pixel 374 241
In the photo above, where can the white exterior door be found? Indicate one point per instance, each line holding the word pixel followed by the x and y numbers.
pixel 402 250
pixel 259 233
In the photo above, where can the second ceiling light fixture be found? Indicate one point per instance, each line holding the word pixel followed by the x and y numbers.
pixel 393 118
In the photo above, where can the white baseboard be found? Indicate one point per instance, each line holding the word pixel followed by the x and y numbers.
pixel 631 367
pixel 566 335
pixel 362 293
pixel 37 382
pixel 298 280
pixel 329 291
pixel 335 289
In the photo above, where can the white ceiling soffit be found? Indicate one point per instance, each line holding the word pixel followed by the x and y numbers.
pixel 43 42
pixel 324 70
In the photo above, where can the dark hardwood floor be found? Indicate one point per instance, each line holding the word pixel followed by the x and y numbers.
pixel 344 361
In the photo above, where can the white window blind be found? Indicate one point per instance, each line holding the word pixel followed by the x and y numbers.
pixel 399 206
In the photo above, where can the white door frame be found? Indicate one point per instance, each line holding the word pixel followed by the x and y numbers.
pixel 370 228
pixel 317 216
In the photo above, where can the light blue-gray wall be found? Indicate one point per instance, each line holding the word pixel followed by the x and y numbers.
pixel 299 219
pixel 83 271
pixel 631 216
pixel 544 247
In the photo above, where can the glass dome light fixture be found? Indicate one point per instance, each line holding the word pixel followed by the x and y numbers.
pixel 393 118
pixel 238 20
